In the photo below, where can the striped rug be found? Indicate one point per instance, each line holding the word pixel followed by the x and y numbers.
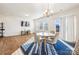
pixel 60 48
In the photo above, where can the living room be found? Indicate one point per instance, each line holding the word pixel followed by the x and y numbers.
pixel 24 23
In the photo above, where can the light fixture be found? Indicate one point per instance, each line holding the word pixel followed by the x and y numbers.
pixel 48 11
pixel 26 15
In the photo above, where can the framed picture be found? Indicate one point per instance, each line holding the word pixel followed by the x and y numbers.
pixel 22 22
pixel 25 23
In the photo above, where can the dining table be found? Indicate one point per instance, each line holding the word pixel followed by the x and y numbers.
pixel 43 36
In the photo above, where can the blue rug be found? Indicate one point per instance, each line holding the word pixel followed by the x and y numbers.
pixel 70 43
pixel 35 52
pixel 27 50
pixel 58 48
pixel 43 49
pixel 62 49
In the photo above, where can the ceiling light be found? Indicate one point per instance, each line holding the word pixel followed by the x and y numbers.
pixel 51 11
pixel 26 15
pixel 48 10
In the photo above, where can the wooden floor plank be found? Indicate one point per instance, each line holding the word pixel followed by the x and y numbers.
pixel 9 44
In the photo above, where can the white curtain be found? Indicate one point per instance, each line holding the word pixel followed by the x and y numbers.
pixel 68 28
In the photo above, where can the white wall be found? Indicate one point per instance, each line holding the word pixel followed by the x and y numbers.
pixel 77 28
pixel 12 25
pixel 74 12
pixel 68 28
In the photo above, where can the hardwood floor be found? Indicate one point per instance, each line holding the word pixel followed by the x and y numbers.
pixel 9 44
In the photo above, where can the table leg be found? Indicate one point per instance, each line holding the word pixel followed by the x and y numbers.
pixel 39 41
pixel 35 39
pixel 39 45
pixel 45 43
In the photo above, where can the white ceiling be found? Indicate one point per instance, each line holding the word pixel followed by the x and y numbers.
pixel 32 9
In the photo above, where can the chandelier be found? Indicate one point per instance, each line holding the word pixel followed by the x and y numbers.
pixel 48 10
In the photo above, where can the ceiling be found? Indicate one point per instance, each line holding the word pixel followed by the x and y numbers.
pixel 32 10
